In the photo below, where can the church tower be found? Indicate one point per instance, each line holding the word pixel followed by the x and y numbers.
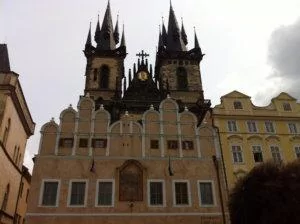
pixel 177 68
pixel 105 62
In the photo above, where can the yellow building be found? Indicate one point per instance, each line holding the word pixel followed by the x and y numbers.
pixel 251 134
pixel 134 150
pixel 16 126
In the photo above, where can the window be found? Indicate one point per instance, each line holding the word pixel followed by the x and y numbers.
pixel 251 126
pixel 156 193
pixel 181 193
pixel 257 153
pixel 6 132
pixel 187 145
pixel 172 144
pixel 269 127
pixel 5 198
pixel 237 105
pixel 232 126
pixel 66 142
pixel 95 74
pixel 154 144
pixel 21 189
pixel 237 154
pixel 99 143
pixel 292 128
pixel 83 142
pixel 182 82
pixel 297 151
pixel 276 154
pixel 104 75
pixel 77 193
pixel 206 193
pixel 105 190
pixel 27 194
pixel 286 106
pixel 50 193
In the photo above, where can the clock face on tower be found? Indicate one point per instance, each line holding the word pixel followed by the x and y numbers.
pixel 142 75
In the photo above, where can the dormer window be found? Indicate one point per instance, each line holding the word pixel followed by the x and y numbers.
pixel 286 106
pixel 237 105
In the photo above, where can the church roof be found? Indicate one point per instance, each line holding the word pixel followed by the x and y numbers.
pixel 4 59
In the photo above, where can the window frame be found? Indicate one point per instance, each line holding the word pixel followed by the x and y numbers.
pixel 42 192
pixel 256 151
pixel 172 142
pixel 153 142
pixel 241 151
pixel 286 106
pixel 294 129
pixel 70 193
pixel 279 152
pixel 272 125
pixel 112 193
pixel 251 122
pixel 102 140
pixel 295 151
pixel 237 105
pixel 149 181
pixel 232 126
pixel 212 190
pixel 190 144
pixel 188 193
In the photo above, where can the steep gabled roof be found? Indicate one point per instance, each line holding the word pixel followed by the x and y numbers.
pixel 4 59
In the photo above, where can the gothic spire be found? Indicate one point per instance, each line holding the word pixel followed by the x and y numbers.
pixel 97 32
pixel 160 41
pixel 89 38
pixel 4 59
pixel 107 40
pixel 174 39
pixel 183 34
pixel 164 34
pixel 197 46
pixel 116 31
pixel 123 43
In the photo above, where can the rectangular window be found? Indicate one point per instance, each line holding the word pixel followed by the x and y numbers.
pixel 269 127
pixel 276 154
pixel 105 193
pixel 292 128
pixel 232 126
pixel 77 194
pixel 181 193
pixel 156 193
pixel 21 189
pixel 237 154
pixel 286 106
pixel 154 144
pixel 206 193
pixel 83 142
pixel 187 145
pixel 257 153
pixel 99 143
pixel 49 193
pixel 27 194
pixel 297 151
pixel 66 142
pixel 237 105
pixel 172 144
pixel 251 126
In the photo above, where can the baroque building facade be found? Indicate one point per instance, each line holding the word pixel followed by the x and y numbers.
pixel 250 135
pixel 140 149
pixel 16 126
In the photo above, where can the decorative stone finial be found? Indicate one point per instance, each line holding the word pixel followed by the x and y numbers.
pixel 70 106
pixel 126 113
pixel 168 96
pixel 204 121
pixel 151 107
pixel 87 94
pixel 52 119
pixel 101 107
pixel 185 108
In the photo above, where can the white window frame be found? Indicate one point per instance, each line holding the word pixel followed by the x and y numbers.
pixel 260 150
pixel 70 191
pixel 42 192
pixel 273 125
pixel 250 128
pixel 213 192
pixel 242 155
pixel 188 193
pixel 295 150
pixel 232 126
pixel 278 151
pixel 163 192
pixel 112 195
pixel 294 129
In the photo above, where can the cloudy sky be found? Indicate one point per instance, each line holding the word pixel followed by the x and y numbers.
pixel 251 45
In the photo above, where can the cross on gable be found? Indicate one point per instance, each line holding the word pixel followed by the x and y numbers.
pixel 142 54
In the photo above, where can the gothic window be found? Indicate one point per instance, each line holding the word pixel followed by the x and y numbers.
pixel 131 181
pixel 6 132
pixel 286 106
pixel 182 82
pixel 104 75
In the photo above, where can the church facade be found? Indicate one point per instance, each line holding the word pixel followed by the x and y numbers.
pixel 139 148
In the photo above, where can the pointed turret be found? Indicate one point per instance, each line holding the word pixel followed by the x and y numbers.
pixel 97 32
pixel 160 40
pixel 107 40
pixel 88 43
pixel 116 31
pixel 123 42
pixel 183 34
pixel 197 46
pixel 174 39
pixel 4 60
pixel 164 34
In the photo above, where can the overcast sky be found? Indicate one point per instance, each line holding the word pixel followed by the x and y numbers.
pixel 252 46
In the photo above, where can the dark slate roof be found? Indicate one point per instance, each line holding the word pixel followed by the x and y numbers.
pixel 4 59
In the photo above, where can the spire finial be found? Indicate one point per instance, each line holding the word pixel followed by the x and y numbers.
pixel 123 44
pixel 183 33
pixel 196 39
pixel 116 31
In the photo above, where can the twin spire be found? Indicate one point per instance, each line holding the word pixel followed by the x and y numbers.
pixel 106 37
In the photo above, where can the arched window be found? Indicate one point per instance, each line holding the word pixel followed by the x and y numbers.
pixel 6 132
pixel 104 75
pixel 182 82
pixel 5 198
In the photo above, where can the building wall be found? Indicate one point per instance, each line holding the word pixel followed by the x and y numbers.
pixel 128 142
pixel 274 113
